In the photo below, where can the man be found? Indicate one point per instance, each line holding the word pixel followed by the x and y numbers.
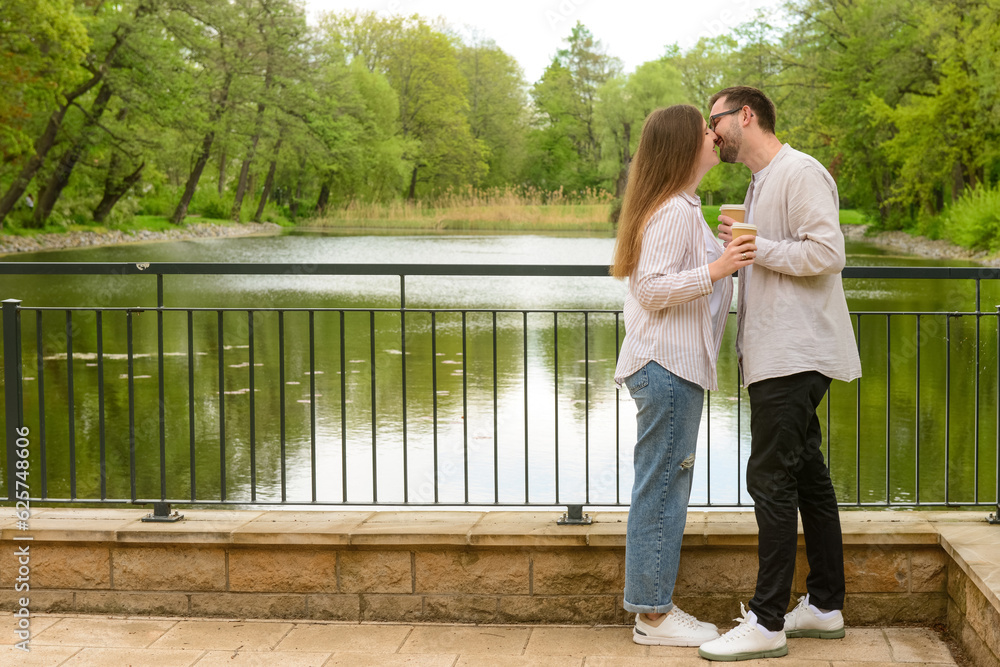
pixel 794 336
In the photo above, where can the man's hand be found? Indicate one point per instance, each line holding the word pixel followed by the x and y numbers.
pixel 726 230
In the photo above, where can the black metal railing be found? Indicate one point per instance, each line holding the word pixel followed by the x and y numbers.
pixel 457 411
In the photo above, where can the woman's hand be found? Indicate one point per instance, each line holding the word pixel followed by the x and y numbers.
pixel 738 253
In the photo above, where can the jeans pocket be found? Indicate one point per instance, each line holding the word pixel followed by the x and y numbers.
pixel 637 381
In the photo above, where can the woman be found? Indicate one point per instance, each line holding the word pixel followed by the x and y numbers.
pixel 680 289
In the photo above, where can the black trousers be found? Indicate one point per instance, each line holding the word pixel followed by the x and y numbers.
pixel 786 474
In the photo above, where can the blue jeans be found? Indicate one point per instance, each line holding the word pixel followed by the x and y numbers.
pixel 669 413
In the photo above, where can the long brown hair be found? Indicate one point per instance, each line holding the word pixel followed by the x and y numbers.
pixel 663 165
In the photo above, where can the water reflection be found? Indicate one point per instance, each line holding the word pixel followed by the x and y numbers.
pixel 475 430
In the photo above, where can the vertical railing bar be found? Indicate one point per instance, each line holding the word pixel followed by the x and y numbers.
pixel 371 326
pixel 162 393
pixel 739 433
pixel 131 404
pixel 434 402
pixel 496 427
pixel 402 344
pixel 13 377
pixel 70 400
pixel 191 436
pixel 618 430
pixel 312 401
pixel 996 460
pixel 976 408
pixel 253 408
pixel 222 408
pixel 829 401
pixel 465 404
pixel 102 440
pixel 857 430
pixel 555 365
pixel 524 330
pixel 281 404
pixel 41 402
pixel 586 404
pixel 343 408
pixel 947 411
pixel 888 408
pixel 916 430
pixel 708 446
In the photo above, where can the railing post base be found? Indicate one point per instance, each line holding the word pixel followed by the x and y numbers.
pixel 994 519
pixel 574 517
pixel 161 514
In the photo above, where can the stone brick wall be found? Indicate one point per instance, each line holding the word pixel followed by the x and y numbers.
pixel 972 620
pixel 478 584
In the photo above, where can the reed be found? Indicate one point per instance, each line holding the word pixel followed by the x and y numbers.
pixel 469 208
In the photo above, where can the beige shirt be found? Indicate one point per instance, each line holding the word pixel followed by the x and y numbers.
pixel 667 314
pixel 791 309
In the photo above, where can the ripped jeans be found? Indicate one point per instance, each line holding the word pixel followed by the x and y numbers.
pixel 669 413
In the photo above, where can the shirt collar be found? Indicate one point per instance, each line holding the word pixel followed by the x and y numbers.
pixel 762 174
pixel 694 200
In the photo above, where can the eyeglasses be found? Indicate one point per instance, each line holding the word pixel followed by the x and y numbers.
pixel 713 118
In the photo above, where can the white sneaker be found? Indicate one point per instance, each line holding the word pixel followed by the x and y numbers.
pixel 677 628
pixel 746 641
pixel 808 621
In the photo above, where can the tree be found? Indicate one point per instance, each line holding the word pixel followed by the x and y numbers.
pixel 42 43
pixel 112 27
pixel 622 106
pixel 564 101
pixel 497 108
pixel 280 28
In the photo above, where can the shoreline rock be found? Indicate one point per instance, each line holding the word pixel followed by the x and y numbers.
pixel 920 246
pixel 85 239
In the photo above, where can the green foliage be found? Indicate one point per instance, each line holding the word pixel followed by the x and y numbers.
pixel 42 44
pixel 974 220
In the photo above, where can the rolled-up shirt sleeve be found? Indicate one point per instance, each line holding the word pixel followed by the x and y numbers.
pixel 814 216
pixel 658 281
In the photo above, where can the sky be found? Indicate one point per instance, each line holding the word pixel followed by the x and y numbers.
pixel 634 30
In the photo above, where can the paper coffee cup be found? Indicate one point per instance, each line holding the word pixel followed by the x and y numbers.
pixel 735 211
pixel 742 229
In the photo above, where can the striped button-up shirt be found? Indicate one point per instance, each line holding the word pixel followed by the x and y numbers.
pixel 667 314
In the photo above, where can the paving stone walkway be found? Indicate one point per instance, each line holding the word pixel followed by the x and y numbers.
pixel 102 641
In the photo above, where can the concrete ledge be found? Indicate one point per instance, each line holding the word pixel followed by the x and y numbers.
pixel 902 567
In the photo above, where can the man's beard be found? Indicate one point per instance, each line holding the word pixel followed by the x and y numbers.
pixel 731 143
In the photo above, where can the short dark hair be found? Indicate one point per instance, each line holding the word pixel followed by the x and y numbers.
pixel 745 96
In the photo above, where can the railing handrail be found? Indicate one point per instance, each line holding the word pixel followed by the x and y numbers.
pixel 348 269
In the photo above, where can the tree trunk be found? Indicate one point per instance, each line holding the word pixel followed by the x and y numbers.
pixel 192 183
pixel 206 149
pixel 622 181
pixel 43 145
pixel 293 206
pixel 48 197
pixel 957 181
pixel 222 172
pixel 413 184
pixel 241 188
pixel 324 198
pixel 115 189
pixel 268 182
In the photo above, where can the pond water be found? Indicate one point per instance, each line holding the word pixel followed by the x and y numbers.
pixel 475 431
